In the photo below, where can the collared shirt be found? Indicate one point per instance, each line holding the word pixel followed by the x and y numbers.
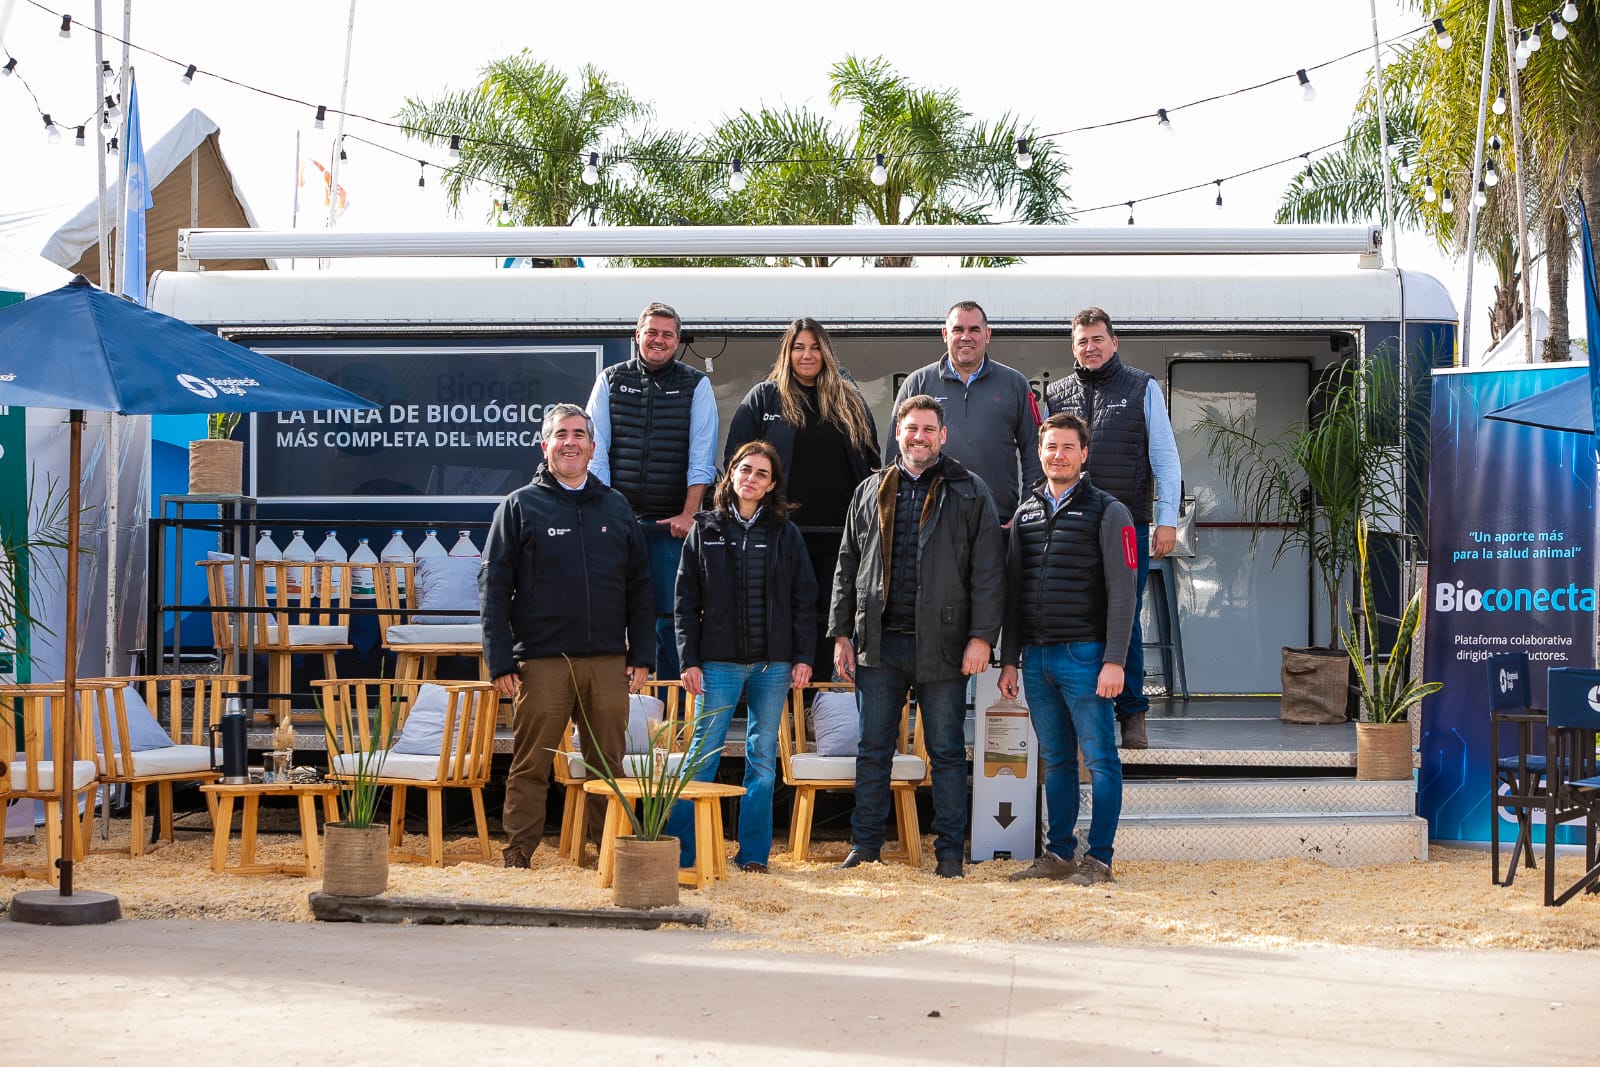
pixel 1164 463
pixel 1066 494
pixel 702 432
pixel 948 370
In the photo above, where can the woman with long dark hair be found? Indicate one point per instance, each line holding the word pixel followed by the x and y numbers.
pixel 746 607
pixel 812 413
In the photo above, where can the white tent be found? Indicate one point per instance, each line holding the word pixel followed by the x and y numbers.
pixel 28 274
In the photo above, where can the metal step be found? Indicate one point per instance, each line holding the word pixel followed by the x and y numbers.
pixel 1338 840
pixel 1191 798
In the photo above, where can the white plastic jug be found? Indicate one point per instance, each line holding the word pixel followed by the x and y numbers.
pixel 298 551
pixel 397 551
pixel 464 546
pixel 267 551
pixel 362 586
pixel 331 551
pixel 430 547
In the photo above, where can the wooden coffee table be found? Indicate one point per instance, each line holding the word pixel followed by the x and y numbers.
pixel 710 855
pixel 221 798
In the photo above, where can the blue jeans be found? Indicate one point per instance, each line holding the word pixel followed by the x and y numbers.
pixel 1132 701
pixel 880 694
pixel 1058 682
pixel 766 686
pixel 665 551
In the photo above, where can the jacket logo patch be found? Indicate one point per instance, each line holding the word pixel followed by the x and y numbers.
pixel 1031 514
pixel 772 416
pixel 627 388
pixel 557 531
pixel 1130 548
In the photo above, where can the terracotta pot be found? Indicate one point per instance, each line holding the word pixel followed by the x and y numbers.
pixel 355 860
pixel 1383 751
pixel 216 467
pixel 646 873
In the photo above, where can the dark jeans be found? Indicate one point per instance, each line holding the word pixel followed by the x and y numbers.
pixel 880 694
pixel 665 551
pixel 1132 701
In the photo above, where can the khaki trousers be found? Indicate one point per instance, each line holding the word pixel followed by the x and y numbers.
pixel 591 690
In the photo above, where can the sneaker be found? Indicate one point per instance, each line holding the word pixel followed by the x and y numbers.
pixel 1048 865
pixel 753 868
pixel 950 867
pixel 1133 732
pixel 858 856
pixel 515 857
pixel 1091 872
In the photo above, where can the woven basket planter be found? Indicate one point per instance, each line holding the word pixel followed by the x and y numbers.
pixel 646 873
pixel 216 467
pixel 1383 751
pixel 355 860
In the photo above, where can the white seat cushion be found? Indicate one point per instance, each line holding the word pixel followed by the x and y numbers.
pixel 632 764
pixel 174 759
pixel 811 767
pixel 310 635
pixel 470 633
pixel 395 765
pixel 83 772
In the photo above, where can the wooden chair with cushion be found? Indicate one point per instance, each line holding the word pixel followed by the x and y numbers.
pixel 310 616
pixel 141 752
pixel 31 712
pixel 570 772
pixel 417 644
pixel 809 772
pixel 440 736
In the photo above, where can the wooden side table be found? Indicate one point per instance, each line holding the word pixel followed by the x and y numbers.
pixel 221 798
pixel 710 855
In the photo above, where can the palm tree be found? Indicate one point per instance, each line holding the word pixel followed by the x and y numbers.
pixel 527 130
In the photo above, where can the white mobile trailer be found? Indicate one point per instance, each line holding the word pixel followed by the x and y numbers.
pixel 1246 335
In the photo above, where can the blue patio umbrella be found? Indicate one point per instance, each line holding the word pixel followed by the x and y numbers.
pixel 1564 407
pixel 82 349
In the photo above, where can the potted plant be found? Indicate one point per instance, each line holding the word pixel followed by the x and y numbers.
pixel 646 874
pixel 1312 484
pixel 355 861
pixel 216 464
pixel 1383 735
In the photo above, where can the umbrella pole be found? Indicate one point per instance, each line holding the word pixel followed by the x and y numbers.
pixel 67 908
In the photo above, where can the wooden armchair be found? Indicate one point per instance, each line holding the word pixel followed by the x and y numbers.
pixel 809 774
pixel 417 646
pixel 310 616
pixel 179 752
pixel 570 772
pixel 26 710
pixel 460 735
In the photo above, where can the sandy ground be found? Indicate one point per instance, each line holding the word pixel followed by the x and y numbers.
pixel 1447 902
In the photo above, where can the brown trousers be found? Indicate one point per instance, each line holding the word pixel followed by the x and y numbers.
pixel 591 690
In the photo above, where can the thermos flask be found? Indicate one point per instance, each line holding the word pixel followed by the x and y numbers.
pixel 234 729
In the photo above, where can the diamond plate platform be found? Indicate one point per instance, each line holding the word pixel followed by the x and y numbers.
pixel 1339 840
pixel 1193 798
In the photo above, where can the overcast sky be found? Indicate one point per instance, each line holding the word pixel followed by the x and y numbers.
pixel 1060 66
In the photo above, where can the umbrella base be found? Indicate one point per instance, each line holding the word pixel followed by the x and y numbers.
pixel 47 907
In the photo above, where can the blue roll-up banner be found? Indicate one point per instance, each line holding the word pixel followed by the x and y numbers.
pixel 1511 543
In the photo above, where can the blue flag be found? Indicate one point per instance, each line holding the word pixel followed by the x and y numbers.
pixel 1591 305
pixel 136 186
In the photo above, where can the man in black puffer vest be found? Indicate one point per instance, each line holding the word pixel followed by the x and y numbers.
pixel 655 429
pixel 1070 564
pixel 1134 450
pixel 918 597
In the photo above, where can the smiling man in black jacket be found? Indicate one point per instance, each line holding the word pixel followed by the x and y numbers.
pixel 567 619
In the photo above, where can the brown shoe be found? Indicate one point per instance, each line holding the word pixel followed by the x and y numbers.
pixel 1048 865
pixel 1133 733
pixel 753 868
pixel 515 857
pixel 1091 872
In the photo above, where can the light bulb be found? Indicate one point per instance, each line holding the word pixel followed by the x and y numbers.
pixel 108 76
pixel 1427 190
pixel 1162 120
pixel 1522 60
pixel 422 174
pixel 1494 142
pixel 1307 179
pixel 11 65
pixel 1499 105
pixel 51 134
pixel 1130 212
pixel 66 26
pixel 736 178
pixel 503 215
pixel 591 173
pixel 1570 12
pixel 318 123
pixel 1481 197
pixel 1558 29
pixel 80 140
pixel 1447 205
pixel 1534 40
pixel 113 109
pixel 1308 92
pixel 1405 168
pixel 1491 177
pixel 880 174
pixel 1522 51
pixel 453 153
pixel 105 122
pixel 188 75
pixel 111 147
pixel 1024 157
pixel 1219 194
pixel 1441 36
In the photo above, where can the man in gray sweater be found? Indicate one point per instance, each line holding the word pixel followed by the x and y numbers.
pixel 989 412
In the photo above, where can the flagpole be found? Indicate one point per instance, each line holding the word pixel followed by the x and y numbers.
pixel 100 137
pixel 338 127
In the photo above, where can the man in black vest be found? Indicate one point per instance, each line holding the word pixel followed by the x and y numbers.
pixel 655 432
pixel 1135 457
pixel 918 598
pixel 1070 566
